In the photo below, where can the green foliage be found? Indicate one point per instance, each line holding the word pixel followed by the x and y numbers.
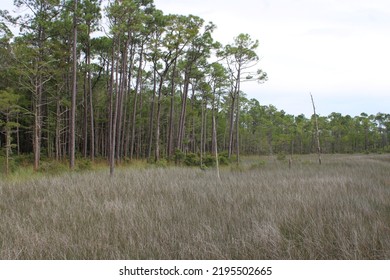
pixel 12 166
pixel 84 164
pixel 52 167
pixel 281 156
pixel 192 160
pixel 162 163
pixel 24 160
pixel 223 158
pixel 209 160
pixel 179 156
pixel 35 69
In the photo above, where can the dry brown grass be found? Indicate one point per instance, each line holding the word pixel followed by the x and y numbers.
pixel 340 210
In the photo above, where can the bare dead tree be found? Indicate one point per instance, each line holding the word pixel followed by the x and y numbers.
pixel 317 130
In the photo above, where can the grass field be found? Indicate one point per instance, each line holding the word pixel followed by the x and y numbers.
pixel 261 210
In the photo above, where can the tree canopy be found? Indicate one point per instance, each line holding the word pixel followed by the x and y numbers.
pixel 127 81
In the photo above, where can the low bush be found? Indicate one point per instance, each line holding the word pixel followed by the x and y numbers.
pixel 209 160
pixel 179 156
pixel 52 167
pixel 191 159
pixel 12 166
pixel 162 163
pixel 224 158
pixel 281 156
pixel 24 160
pixel 84 164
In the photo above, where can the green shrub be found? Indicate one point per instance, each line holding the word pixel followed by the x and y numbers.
pixel 203 167
pixel 84 164
pixel 224 159
pixel 209 160
pixel 191 160
pixel 12 166
pixel 24 160
pixel 162 163
pixel 179 156
pixel 52 167
pixel 281 156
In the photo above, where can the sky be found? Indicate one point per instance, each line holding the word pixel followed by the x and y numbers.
pixel 338 50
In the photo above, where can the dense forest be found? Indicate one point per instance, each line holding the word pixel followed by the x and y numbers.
pixel 126 81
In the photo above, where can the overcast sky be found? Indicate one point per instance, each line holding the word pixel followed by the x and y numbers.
pixel 336 49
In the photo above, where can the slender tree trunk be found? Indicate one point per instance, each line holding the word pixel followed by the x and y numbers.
pixel 134 115
pixel 213 128
pixel 151 115
pixel 171 113
pixel 92 120
pixel 37 122
pixel 58 128
pixel 121 77
pixel 157 140
pixel 123 83
pixel 88 102
pixel 181 129
pixel 17 135
pixel 205 125
pixel 111 142
pixel 202 133
pixel 215 151
pixel 238 116
pixel 139 129
pixel 74 92
pixel 231 125
pixel 193 128
pixel 127 132
pixel 115 110
pixel 7 143
pixel 37 103
pixel 317 131
pixel 85 119
pixel 193 133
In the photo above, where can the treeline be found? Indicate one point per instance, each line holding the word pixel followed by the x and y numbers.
pixel 269 131
pixel 127 81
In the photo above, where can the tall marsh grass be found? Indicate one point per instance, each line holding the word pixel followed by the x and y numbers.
pixel 340 210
